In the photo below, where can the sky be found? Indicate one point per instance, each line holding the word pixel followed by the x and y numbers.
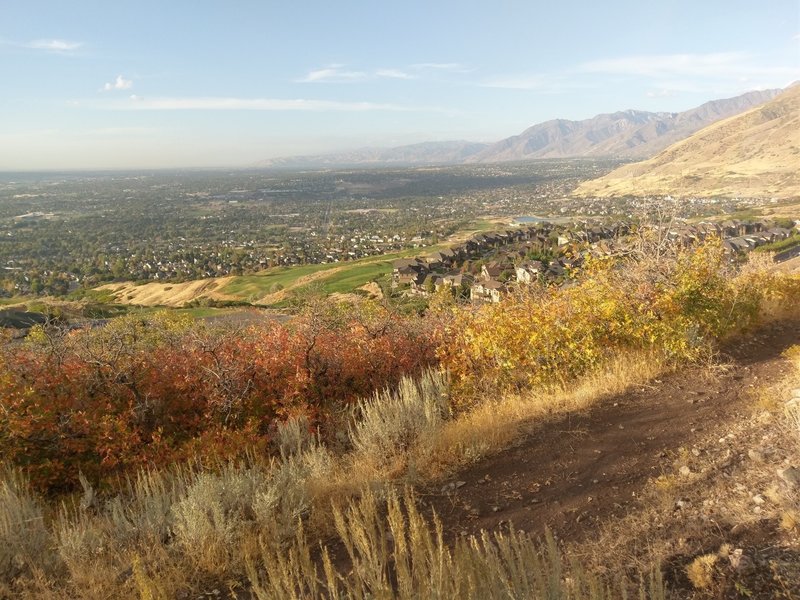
pixel 146 84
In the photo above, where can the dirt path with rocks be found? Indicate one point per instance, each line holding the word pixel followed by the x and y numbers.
pixel 571 474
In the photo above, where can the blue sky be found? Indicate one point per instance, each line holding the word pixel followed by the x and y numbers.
pixel 87 84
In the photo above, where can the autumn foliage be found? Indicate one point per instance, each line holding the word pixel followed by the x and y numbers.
pixel 678 306
pixel 147 391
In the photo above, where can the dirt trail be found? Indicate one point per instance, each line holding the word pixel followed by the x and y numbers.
pixel 572 473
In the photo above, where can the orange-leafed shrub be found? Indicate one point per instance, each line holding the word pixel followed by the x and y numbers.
pixel 147 391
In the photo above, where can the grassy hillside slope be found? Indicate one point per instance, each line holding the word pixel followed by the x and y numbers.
pixel 753 154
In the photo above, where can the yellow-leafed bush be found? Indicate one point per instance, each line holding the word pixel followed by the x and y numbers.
pixel 677 307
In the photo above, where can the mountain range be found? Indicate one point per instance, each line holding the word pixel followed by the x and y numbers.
pixel 626 134
pixel 424 153
pixel 756 153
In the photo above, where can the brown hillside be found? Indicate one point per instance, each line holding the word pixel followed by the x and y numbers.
pixel 168 294
pixel 753 154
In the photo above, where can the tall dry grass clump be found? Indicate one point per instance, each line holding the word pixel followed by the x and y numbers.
pixel 394 426
pixel 166 530
pixel 792 406
pixel 26 543
pixel 393 551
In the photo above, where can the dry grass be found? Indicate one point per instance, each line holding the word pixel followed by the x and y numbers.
pixel 701 571
pixel 402 555
pixel 25 541
pixel 395 429
pixel 172 294
pixel 493 424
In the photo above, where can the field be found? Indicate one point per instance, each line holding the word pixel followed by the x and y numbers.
pixel 274 286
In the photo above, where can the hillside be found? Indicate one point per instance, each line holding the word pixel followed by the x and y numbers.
pixel 272 461
pixel 267 287
pixel 753 154
pixel 630 133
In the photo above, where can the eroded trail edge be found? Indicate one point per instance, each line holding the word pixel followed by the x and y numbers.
pixel 573 473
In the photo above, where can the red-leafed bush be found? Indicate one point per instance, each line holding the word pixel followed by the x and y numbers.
pixel 146 391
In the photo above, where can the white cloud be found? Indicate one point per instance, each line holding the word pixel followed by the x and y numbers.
pixel 662 93
pixel 394 74
pixel 53 45
pixel 719 66
pixel 120 83
pixel 659 65
pixel 441 67
pixel 518 82
pixel 116 131
pixel 539 82
pixel 718 73
pixel 264 104
pixel 337 73
pixel 332 73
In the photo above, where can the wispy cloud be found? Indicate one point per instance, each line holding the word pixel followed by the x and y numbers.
pixel 544 83
pixel 457 67
pixel 264 104
pixel 720 72
pixel 119 131
pixel 332 73
pixel 120 83
pixel 714 65
pixel 394 74
pixel 340 73
pixel 660 65
pixel 54 45
pixel 662 93
pixel 661 75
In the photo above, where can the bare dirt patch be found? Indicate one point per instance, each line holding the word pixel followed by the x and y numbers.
pixel 573 473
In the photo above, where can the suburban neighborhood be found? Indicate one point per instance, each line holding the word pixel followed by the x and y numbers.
pixel 489 265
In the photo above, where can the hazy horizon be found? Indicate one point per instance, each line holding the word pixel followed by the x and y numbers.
pixel 201 85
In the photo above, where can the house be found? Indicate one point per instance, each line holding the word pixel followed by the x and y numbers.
pixel 733 228
pixel 779 233
pixel 408 271
pixel 488 291
pixel 458 279
pixel 491 270
pixel 408 262
pixel 529 271
pixel 737 244
pixel 428 283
